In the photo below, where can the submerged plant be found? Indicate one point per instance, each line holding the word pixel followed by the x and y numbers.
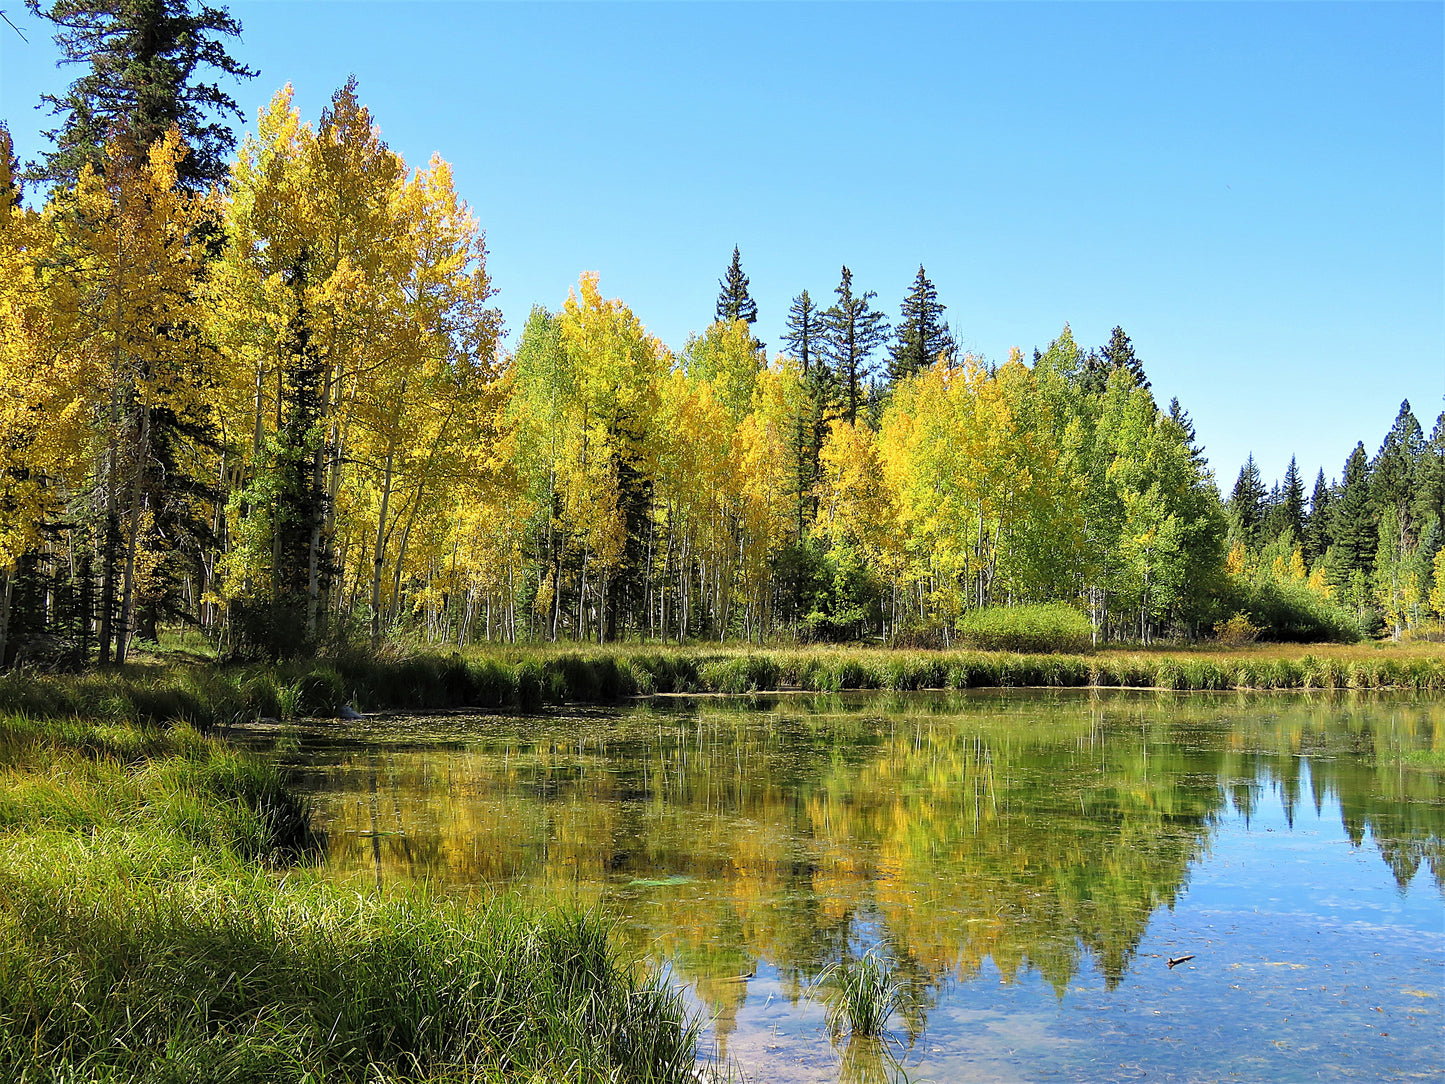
pixel 864 992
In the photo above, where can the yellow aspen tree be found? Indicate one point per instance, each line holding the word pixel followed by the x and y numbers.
pixel 610 456
pixel 47 385
pixel 136 236
pixel 765 483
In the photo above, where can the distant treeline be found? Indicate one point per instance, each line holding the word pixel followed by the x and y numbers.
pixel 264 393
pixel 1372 541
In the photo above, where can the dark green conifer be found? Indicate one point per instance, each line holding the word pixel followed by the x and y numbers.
pixel 1392 474
pixel 1247 504
pixel 852 332
pixel 1317 525
pixel 1429 499
pixel 1180 417
pixel 1352 520
pixel 143 59
pixel 804 339
pixel 733 300
pixel 922 335
pixel 1117 353
pixel 1292 502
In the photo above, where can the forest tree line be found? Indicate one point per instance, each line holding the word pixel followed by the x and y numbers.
pixel 262 390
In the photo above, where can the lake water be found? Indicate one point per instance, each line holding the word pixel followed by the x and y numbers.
pixel 1029 863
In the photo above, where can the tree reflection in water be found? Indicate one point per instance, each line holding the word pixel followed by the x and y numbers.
pixel 1034 830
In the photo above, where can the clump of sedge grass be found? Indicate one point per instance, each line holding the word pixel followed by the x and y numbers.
pixel 863 993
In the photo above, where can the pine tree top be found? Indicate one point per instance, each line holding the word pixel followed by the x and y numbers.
pixel 803 335
pixel 143 58
pixel 1117 353
pixel 922 333
pixel 853 330
pixel 733 300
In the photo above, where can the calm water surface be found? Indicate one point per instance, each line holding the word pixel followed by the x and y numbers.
pixel 1030 863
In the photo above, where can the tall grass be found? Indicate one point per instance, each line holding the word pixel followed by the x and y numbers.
pixel 531 677
pixel 217 974
pixel 862 994
pixel 155 926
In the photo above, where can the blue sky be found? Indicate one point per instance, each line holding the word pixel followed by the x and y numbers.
pixel 1253 191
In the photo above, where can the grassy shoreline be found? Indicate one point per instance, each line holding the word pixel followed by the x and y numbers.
pixel 527 677
pixel 159 922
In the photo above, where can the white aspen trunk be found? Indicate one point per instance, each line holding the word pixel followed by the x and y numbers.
pixel 128 582
pixel 5 596
pixel 378 557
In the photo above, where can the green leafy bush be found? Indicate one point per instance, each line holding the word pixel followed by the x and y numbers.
pixel 1292 613
pixel 1049 628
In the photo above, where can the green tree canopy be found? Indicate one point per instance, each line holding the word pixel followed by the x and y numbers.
pixel 144 59
pixel 922 335
pixel 853 330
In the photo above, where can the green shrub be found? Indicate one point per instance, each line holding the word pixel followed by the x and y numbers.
pixel 1292 613
pixel 1049 628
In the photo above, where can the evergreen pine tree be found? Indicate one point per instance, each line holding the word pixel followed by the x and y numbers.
pixel 143 58
pixel 1118 353
pixel 1429 499
pixel 852 332
pixel 1292 502
pixel 1392 474
pixel 1352 521
pixel 733 300
pixel 1317 525
pixel 283 507
pixel 1272 522
pixel 1247 504
pixel 922 335
pixel 804 339
pixel 1180 417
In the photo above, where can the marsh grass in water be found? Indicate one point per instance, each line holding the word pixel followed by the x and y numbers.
pixel 155 926
pixel 862 994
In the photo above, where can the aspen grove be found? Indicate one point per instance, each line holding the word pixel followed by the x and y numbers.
pixel 280 410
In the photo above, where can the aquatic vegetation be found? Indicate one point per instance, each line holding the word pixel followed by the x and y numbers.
pixel 862 992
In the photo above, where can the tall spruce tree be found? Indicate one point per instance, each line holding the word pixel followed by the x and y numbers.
pixel 1317 526
pixel 1353 530
pixel 922 335
pixel 1117 353
pixel 1392 474
pixel 284 503
pixel 733 300
pixel 804 339
pixel 1429 499
pixel 853 330
pixel 1180 417
pixel 144 60
pixel 1292 502
pixel 1247 504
